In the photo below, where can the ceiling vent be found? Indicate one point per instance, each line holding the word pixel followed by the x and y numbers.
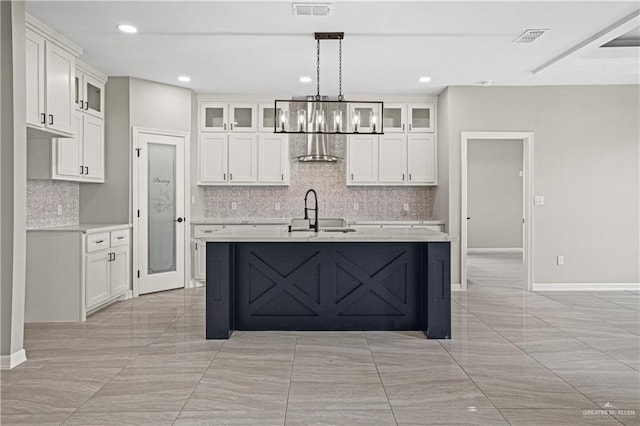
pixel 529 36
pixel 311 9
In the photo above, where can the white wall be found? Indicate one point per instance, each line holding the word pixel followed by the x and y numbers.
pixel 586 164
pixel 13 169
pixel 494 193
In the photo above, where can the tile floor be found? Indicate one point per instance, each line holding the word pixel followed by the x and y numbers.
pixel 515 358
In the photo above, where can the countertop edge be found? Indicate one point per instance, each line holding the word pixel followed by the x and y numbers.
pixel 88 228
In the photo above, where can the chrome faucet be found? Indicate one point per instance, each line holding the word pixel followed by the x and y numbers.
pixel 315 209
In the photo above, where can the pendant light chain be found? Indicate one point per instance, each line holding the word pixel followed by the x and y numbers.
pixel 340 70
pixel 318 70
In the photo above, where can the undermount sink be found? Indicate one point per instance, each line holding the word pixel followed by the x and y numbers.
pixel 324 224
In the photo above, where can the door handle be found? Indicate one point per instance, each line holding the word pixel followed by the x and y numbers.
pixel 468 218
pixel 179 220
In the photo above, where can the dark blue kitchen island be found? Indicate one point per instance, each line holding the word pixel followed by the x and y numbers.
pixel 373 279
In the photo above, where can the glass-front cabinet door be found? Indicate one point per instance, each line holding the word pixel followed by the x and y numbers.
pixel 243 118
pixel 268 116
pixel 394 118
pixel 213 117
pixel 364 118
pixel 89 94
pixel 421 118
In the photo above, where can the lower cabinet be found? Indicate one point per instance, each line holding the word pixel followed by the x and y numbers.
pixel 74 272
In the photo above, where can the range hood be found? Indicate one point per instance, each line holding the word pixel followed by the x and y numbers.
pixel 318 143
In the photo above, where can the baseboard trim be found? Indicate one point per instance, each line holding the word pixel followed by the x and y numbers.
pixel 586 286
pixel 194 283
pixel 7 362
pixel 456 287
pixel 494 250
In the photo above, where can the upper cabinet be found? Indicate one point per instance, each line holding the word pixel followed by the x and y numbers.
pixel 50 78
pixel 268 116
pixel 222 117
pixel 405 155
pixel 235 149
pixel 89 90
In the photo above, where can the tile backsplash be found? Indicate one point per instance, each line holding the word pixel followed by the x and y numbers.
pixel 329 181
pixel 43 199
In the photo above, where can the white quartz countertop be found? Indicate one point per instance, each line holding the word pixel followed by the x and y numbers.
pixel 285 221
pixel 361 235
pixel 87 228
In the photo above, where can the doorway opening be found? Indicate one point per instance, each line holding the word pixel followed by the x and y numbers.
pixel 496 206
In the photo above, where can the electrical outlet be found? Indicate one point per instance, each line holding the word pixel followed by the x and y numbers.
pixel 405 207
pixel 59 209
pixel 538 200
pixel 234 205
pixel 560 260
pixel 276 206
pixel 356 206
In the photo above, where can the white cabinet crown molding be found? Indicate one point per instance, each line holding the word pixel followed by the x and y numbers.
pixel 49 33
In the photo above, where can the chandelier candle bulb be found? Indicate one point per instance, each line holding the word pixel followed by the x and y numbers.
pixel 301 121
pixel 356 122
pixel 283 120
pixel 337 121
pixel 374 121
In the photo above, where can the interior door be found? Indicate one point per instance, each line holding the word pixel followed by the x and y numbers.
pixel 161 225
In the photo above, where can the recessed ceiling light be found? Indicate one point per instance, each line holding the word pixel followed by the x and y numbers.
pixel 184 78
pixel 126 28
pixel 486 83
pixel 424 79
pixel 305 79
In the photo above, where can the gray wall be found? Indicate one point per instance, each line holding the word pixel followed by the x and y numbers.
pixel 586 166
pixel 494 193
pixel 13 169
pixel 108 202
pixel 441 196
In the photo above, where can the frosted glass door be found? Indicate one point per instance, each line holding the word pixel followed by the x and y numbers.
pixel 421 118
pixel 162 208
pixel 213 117
pixel 161 226
pixel 394 118
pixel 243 118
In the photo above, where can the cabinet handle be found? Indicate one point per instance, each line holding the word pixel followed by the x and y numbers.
pixel 196 246
pixel 409 176
pixel 224 126
pixel 99 241
pixel 282 177
pixel 230 176
pixel 403 127
pixel 81 170
pixel 87 167
pixel 44 118
pixel 409 126
pixel 120 238
pixel 50 119
pixel 86 108
pixel 403 177
pixel 224 176
pixel 231 126
pixel 81 104
pixel 351 176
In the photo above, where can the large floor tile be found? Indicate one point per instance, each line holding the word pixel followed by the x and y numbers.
pixel 577 417
pixel 132 418
pixel 145 389
pixel 340 417
pixel 48 419
pixel 449 416
pixel 253 417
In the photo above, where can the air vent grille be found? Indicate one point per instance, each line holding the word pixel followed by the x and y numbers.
pixel 311 9
pixel 529 36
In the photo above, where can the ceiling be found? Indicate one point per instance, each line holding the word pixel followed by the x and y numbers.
pixel 241 47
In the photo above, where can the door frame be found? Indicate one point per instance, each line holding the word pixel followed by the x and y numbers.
pixel 527 244
pixel 136 131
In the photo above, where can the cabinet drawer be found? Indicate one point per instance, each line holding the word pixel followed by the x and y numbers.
pixel 201 231
pixel 120 238
pixel 97 242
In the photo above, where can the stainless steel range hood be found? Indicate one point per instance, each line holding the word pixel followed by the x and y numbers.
pixel 317 144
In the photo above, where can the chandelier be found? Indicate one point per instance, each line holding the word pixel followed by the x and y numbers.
pixel 314 115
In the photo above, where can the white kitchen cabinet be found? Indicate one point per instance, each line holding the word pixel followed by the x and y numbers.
pixel 107 267
pixel 80 157
pixel 243 158
pixel 362 156
pixel 267 115
pixel 223 117
pixel 273 156
pixel 421 159
pixel 395 118
pixel 50 76
pixel 75 270
pixel 392 164
pixel 421 117
pixel 364 117
pixel 89 87
pixel 231 151
pixel 199 260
